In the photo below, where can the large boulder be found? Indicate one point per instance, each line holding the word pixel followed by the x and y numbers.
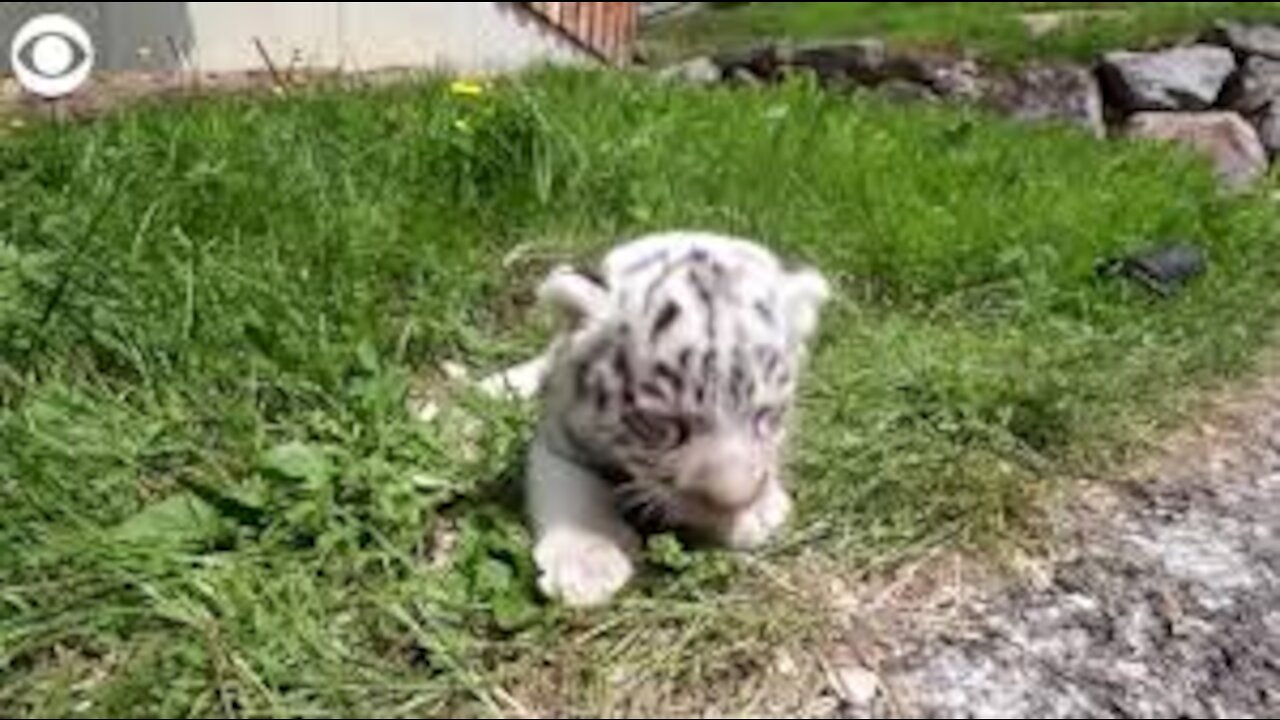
pixel 1268 124
pixel 1257 86
pixel 1225 138
pixel 1054 93
pixel 1183 78
pixel 1246 39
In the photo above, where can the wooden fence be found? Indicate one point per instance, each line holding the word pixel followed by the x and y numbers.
pixel 606 29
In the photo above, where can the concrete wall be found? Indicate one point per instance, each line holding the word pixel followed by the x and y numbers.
pixel 306 33
pixel 459 35
pixel 219 36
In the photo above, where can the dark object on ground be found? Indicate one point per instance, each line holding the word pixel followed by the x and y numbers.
pixel 1162 271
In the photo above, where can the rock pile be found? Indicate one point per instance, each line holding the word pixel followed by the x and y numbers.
pixel 1218 95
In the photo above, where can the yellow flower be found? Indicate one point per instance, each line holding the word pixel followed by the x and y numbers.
pixel 466 88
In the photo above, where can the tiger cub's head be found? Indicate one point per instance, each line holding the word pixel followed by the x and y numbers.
pixel 683 369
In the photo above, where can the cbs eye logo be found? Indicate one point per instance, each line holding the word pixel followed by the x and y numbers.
pixel 52 56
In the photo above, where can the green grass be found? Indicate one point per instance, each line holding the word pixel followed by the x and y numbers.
pixel 994 29
pixel 214 503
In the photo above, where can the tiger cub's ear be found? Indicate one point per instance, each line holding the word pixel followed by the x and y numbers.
pixel 579 298
pixel 804 294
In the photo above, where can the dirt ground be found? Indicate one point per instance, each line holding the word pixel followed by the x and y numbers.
pixel 1162 600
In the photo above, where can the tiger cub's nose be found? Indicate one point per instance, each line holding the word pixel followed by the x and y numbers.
pixel 722 472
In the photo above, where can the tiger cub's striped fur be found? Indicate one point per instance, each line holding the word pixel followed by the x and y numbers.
pixel 665 401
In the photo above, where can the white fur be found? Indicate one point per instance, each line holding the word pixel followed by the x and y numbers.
pixel 754 528
pixel 573 294
pixel 581 568
pixel 805 294
pixel 584 551
pixel 522 382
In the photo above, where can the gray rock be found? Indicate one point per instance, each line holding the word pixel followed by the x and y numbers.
pixel 855 685
pixel 1257 87
pixel 698 71
pixel 1268 124
pixel 1055 93
pixel 764 61
pixel 952 79
pixel 1248 39
pixel 863 60
pixel 865 63
pixel 1185 78
pixel 743 77
pixel 1225 138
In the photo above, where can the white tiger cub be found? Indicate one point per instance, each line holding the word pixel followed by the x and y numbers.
pixel 665 400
